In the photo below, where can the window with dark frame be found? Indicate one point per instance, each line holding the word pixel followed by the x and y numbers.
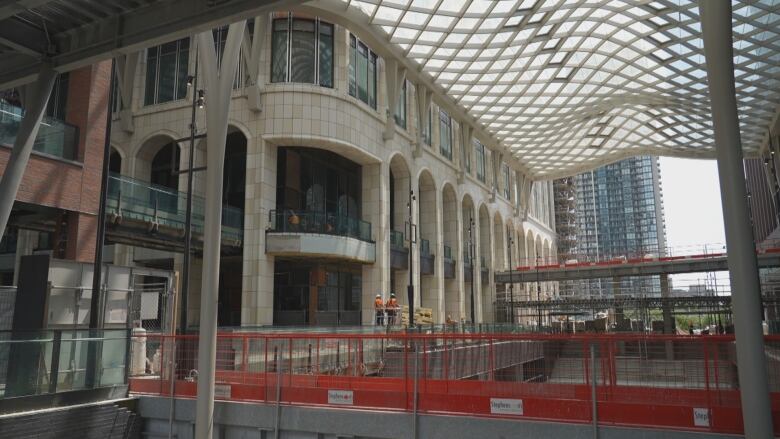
pixel 302 51
pixel 479 152
pixel 428 128
pixel 445 134
pixel 507 186
pixel 167 66
pixel 400 108
pixel 362 72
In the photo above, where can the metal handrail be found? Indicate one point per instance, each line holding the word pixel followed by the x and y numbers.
pixel 397 240
pixel 302 221
pixel 146 201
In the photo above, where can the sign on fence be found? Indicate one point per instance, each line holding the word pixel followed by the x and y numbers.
pixel 501 406
pixel 701 417
pixel 343 397
pixel 222 391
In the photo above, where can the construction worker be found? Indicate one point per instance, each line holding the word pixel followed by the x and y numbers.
pixel 379 309
pixel 392 309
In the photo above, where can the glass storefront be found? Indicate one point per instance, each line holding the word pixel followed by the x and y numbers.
pixel 315 180
pixel 311 293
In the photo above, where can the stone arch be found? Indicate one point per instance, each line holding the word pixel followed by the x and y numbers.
pixel 157 155
pixel 346 149
pixel 485 262
pixel 115 160
pixel 428 242
pixel 500 244
pixel 450 227
pixel 530 248
pixel 399 187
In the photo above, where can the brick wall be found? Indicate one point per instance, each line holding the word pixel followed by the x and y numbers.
pixel 70 186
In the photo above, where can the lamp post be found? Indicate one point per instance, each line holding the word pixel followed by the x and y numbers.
pixel 509 243
pixel 473 270
pixel 538 294
pixel 412 240
pixel 197 102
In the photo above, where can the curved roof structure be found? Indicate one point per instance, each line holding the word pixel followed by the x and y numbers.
pixel 563 85
pixel 568 85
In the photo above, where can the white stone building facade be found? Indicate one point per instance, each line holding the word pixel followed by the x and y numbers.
pixel 452 182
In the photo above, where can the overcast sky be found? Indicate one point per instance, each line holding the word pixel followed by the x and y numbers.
pixel 693 211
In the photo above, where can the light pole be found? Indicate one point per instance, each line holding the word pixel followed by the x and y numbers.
pixel 197 102
pixel 410 288
pixel 511 241
pixel 473 270
pixel 538 294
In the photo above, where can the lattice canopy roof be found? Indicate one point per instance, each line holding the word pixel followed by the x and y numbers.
pixel 567 86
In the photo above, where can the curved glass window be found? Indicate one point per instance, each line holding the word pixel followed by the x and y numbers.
pixel 302 51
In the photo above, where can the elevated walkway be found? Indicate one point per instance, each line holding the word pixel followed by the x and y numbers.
pixel 153 216
pixel 630 267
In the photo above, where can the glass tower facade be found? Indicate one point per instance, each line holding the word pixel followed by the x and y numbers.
pixel 620 214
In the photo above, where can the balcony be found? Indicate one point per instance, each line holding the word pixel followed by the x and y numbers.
pixel 449 263
pixel 468 269
pixel 136 206
pixel 55 137
pixel 399 254
pixel 426 258
pixel 319 234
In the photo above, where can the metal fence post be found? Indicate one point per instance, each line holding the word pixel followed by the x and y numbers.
pixel 55 362
pixel 414 401
pixel 594 403
pixel 277 421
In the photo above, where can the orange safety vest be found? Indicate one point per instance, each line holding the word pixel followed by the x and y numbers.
pixel 392 304
pixel 378 304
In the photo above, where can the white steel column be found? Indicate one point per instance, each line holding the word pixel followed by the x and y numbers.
pixel 219 85
pixel 35 96
pixel 743 269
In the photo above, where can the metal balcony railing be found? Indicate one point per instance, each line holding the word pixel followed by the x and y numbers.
pixel 131 198
pixel 447 253
pixel 299 221
pixel 425 248
pixel 55 137
pixel 397 240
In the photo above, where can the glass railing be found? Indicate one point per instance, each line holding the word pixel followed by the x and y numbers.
pixel 55 361
pixel 397 240
pixel 466 258
pixel 55 137
pixel 144 201
pixel 447 253
pixel 425 248
pixel 290 221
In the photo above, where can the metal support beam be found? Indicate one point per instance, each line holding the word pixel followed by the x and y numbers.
pixel 36 96
pixel 219 85
pixel 743 267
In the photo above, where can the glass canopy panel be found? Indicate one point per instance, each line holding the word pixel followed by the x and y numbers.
pixel 543 76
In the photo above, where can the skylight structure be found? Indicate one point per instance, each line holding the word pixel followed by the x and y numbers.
pixel 567 86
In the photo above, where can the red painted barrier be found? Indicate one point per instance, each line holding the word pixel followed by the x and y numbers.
pixel 667 382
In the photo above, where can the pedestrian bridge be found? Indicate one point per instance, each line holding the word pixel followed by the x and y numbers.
pixel 645 265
